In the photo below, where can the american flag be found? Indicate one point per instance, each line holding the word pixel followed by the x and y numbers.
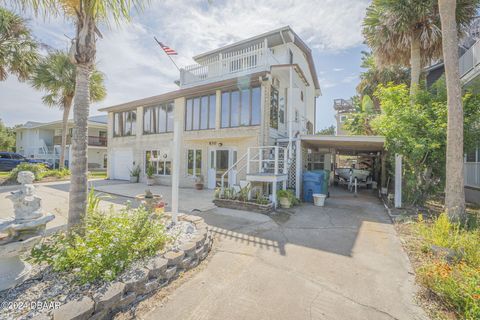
pixel 169 51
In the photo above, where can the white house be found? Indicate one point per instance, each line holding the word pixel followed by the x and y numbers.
pixel 240 107
pixel 43 141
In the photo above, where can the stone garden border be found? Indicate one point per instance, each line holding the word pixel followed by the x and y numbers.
pixel 135 285
pixel 245 206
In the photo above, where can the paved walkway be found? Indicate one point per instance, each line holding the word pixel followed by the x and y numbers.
pixel 343 261
pixel 189 199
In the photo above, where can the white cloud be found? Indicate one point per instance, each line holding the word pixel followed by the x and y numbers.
pixel 338 69
pixel 350 78
pixel 135 66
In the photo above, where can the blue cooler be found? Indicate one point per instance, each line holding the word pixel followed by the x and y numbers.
pixel 313 182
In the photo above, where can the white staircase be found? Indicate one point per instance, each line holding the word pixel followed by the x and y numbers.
pixel 269 164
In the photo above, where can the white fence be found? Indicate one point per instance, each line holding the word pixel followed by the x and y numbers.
pixel 472 174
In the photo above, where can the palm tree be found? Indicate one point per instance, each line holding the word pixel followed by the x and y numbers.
pixel 450 15
pixel 18 49
pixel 403 32
pixel 373 76
pixel 87 15
pixel 56 75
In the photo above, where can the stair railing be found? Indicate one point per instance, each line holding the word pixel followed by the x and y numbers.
pixel 222 185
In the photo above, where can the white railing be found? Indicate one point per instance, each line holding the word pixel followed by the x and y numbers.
pixel 472 174
pixel 226 64
pixel 237 166
pixel 470 59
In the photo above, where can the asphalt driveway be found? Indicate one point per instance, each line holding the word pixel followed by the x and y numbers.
pixel 343 261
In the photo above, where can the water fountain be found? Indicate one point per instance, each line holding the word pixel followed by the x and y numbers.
pixel 21 232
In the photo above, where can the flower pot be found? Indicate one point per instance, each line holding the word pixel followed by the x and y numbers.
pixel 133 179
pixel 150 181
pixel 199 186
pixel 285 202
pixel 319 199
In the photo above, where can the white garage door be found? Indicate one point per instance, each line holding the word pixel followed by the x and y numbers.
pixel 122 160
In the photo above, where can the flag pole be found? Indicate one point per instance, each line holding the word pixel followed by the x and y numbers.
pixel 166 53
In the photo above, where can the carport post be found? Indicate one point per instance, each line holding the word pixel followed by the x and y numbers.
pixel 398 180
pixel 298 167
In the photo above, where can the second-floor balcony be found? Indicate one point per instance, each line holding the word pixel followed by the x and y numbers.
pixel 93 141
pixel 225 65
pixel 469 63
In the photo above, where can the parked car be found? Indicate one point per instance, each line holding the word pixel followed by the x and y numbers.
pixel 9 160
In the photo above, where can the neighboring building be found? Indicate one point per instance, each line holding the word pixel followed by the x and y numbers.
pixel 233 106
pixel 43 141
pixel 344 108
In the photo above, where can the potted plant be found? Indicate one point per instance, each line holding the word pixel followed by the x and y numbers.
pixel 199 182
pixel 150 172
pixel 284 198
pixel 135 174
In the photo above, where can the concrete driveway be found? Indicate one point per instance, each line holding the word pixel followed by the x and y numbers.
pixel 343 261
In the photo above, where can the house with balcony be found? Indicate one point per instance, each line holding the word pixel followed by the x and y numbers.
pixel 38 140
pixel 343 109
pixel 239 108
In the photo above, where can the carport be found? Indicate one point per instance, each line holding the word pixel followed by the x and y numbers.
pixel 334 146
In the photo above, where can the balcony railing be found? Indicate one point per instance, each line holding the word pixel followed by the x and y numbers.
pixel 470 59
pixel 94 141
pixel 226 65
pixel 472 174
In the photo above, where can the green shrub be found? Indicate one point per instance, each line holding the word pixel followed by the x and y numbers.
pixel 57 173
pixel 288 194
pixel 111 242
pixel 457 284
pixel 38 170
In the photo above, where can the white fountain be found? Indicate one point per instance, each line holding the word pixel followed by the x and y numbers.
pixel 21 232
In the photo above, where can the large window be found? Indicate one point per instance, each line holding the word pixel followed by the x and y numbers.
pixel 194 162
pixel 124 123
pixel 158 119
pixel 241 107
pixel 200 113
pixel 160 161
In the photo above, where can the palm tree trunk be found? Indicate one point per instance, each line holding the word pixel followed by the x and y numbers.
pixel 78 180
pixel 66 112
pixel 454 192
pixel 415 62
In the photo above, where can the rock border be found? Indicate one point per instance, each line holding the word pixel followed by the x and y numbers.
pixel 136 284
pixel 245 206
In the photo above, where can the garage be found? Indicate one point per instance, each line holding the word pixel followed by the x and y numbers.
pixel 122 162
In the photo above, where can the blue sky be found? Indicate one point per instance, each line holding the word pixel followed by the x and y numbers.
pixel 135 68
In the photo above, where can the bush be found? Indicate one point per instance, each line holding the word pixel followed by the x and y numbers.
pixel 57 173
pixel 38 170
pixel 288 194
pixel 457 284
pixel 111 242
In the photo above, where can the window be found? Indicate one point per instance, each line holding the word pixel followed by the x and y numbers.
pixel 160 161
pixel 124 123
pixel 200 113
pixel 241 108
pixel 4 156
pixel 158 119
pixel 274 108
pixel 343 118
pixel 194 162
pixel 316 161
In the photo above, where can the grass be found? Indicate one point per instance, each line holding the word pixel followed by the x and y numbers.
pixel 97 175
pixel 4 174
pixel 450 275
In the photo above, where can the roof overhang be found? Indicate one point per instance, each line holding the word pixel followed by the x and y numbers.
pixel 345 144
pixel 239 82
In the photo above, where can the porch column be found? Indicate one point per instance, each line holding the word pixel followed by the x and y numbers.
pixel 398 181
pixel 290 112
pixel 177 147
pixel 298 168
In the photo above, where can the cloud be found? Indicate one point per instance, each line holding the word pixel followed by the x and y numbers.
pixel 326 83
pixel 135 66
pixel 350 78
pixel 338 69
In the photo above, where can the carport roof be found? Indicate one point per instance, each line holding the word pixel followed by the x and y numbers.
pixel 345 143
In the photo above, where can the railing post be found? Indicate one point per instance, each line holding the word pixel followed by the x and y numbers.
pixel 248 161
pixel 260 160
pixel 276 161
pixel 222 188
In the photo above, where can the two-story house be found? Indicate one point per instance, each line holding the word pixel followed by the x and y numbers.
pixel 234 105
pixel 343 108
pixel 37 140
